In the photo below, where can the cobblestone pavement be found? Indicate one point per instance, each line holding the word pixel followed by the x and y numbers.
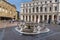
pixel 10 33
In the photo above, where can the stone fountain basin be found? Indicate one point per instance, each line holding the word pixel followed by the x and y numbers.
pixel 32 33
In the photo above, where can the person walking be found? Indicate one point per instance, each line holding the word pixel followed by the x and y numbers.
pixel 49 21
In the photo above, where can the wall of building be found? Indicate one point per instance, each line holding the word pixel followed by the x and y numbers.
pixel 7 10
pixel 49 8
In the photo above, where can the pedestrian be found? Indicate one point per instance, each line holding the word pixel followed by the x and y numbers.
pixel 49 21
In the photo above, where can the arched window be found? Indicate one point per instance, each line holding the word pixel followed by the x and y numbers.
pixel 41 9
pixel 55 8
pixel 29 10
pixel 36 9
pixel 50 9
pixel 26 10
pixel 45 9
pixel 33 9
pixel 55 0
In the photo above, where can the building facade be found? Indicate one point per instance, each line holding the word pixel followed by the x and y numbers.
pixel 7 10
pixel 40 11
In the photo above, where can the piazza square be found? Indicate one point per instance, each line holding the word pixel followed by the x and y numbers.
pixel 30 20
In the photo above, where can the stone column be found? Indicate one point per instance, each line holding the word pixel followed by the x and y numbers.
pixel 25 18
pixel 38 18
pixel 52 18
pixel 31 18
pixel 21 17
pixel 28 18
pixel 39 9
pixel 43 9
pixel 35 9
pixel 31 10
pixel 47 18
pixel 34 18
pixel 43 18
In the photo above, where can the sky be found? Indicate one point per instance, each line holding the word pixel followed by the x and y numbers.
pixel 17 3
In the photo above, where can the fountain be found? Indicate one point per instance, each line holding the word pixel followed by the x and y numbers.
pixel 31 28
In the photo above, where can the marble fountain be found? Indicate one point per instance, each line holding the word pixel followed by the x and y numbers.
pixel 30 28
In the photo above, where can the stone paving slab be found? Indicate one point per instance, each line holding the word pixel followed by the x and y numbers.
pixel 9 33
pixel 2 25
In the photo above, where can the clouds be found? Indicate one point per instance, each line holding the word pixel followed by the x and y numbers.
pixel 17 3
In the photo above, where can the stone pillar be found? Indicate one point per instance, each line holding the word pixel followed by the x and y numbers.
pixel 31 10
pixel 43 18
pixel 52 18
pixel 21 17
pixel 28 18
pixel 58 18
pixel 35 9
pixel 43 9
pixel 34 18
pixel 38 18
pixel 47 18
pixel 31 18
pixel 39 9
pixel 25 18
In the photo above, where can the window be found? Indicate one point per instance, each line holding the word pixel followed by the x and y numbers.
pixel 50 9
pixel 26 18
pixel 56 8
pixel 45 1
pixel 26 10
pixel 26 4
pixel 29 4
pixel 29 10
pixel 23 10
pixel 50 1
pixel 33 0
pixel 36 9
pixel 33 9
pixel 55 0
pixel 41 2
pixel 33 3
pixel 37 3
pixel 41 9
pixel 45 9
